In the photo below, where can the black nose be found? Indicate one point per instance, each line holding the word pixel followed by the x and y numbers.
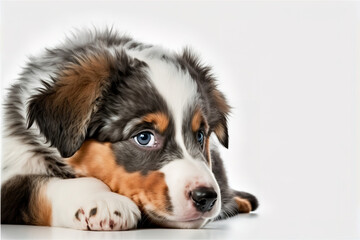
pixel 204 198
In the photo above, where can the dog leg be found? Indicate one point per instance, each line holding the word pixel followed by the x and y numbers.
pixel 79 203
pixel 246 202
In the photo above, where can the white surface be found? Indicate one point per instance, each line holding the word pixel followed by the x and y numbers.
pixel 289 69
pixel 232 229
pixel 220 230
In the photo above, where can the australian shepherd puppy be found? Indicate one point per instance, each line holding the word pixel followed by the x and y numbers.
pixel 106 133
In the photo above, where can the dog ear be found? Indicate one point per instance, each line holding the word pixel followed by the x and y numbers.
pixel 222 110
pixel 64 108
pixel 219 108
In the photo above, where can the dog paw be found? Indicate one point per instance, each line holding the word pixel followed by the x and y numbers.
pixel 244 205
pixel 107 211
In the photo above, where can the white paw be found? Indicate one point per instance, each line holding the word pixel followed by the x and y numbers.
pixel 107 211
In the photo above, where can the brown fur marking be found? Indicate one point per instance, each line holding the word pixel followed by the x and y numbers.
pixel 97 160
pixel 207 151
pixel 80 85
pixel 243 204
pixel 220 131
pixel 196 121
pixel 40 207
pixel 159 119
pixel 224 109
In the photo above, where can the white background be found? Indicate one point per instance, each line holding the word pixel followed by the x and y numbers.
pixel 289 69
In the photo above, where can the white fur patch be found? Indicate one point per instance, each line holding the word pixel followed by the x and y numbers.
pixel 19 158
pixel 177 88
pixel 183 176
pixel 68 196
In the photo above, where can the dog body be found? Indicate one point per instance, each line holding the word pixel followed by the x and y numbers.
pixel 102 129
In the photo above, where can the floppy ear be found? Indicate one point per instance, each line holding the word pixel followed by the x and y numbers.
pixel 222 110
pixel 63 109
pixel 219 108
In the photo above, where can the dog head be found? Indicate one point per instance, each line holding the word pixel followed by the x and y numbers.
pixel 141 122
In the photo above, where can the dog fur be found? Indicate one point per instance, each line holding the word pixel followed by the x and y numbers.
pixel 76 147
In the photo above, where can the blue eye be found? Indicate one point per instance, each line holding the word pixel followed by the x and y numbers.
pixel 145 139
pixel 200 137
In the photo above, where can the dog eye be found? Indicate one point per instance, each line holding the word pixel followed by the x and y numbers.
pixel 200 137
pixel 145 139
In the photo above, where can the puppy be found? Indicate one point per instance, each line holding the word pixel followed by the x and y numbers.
pixel 105 133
